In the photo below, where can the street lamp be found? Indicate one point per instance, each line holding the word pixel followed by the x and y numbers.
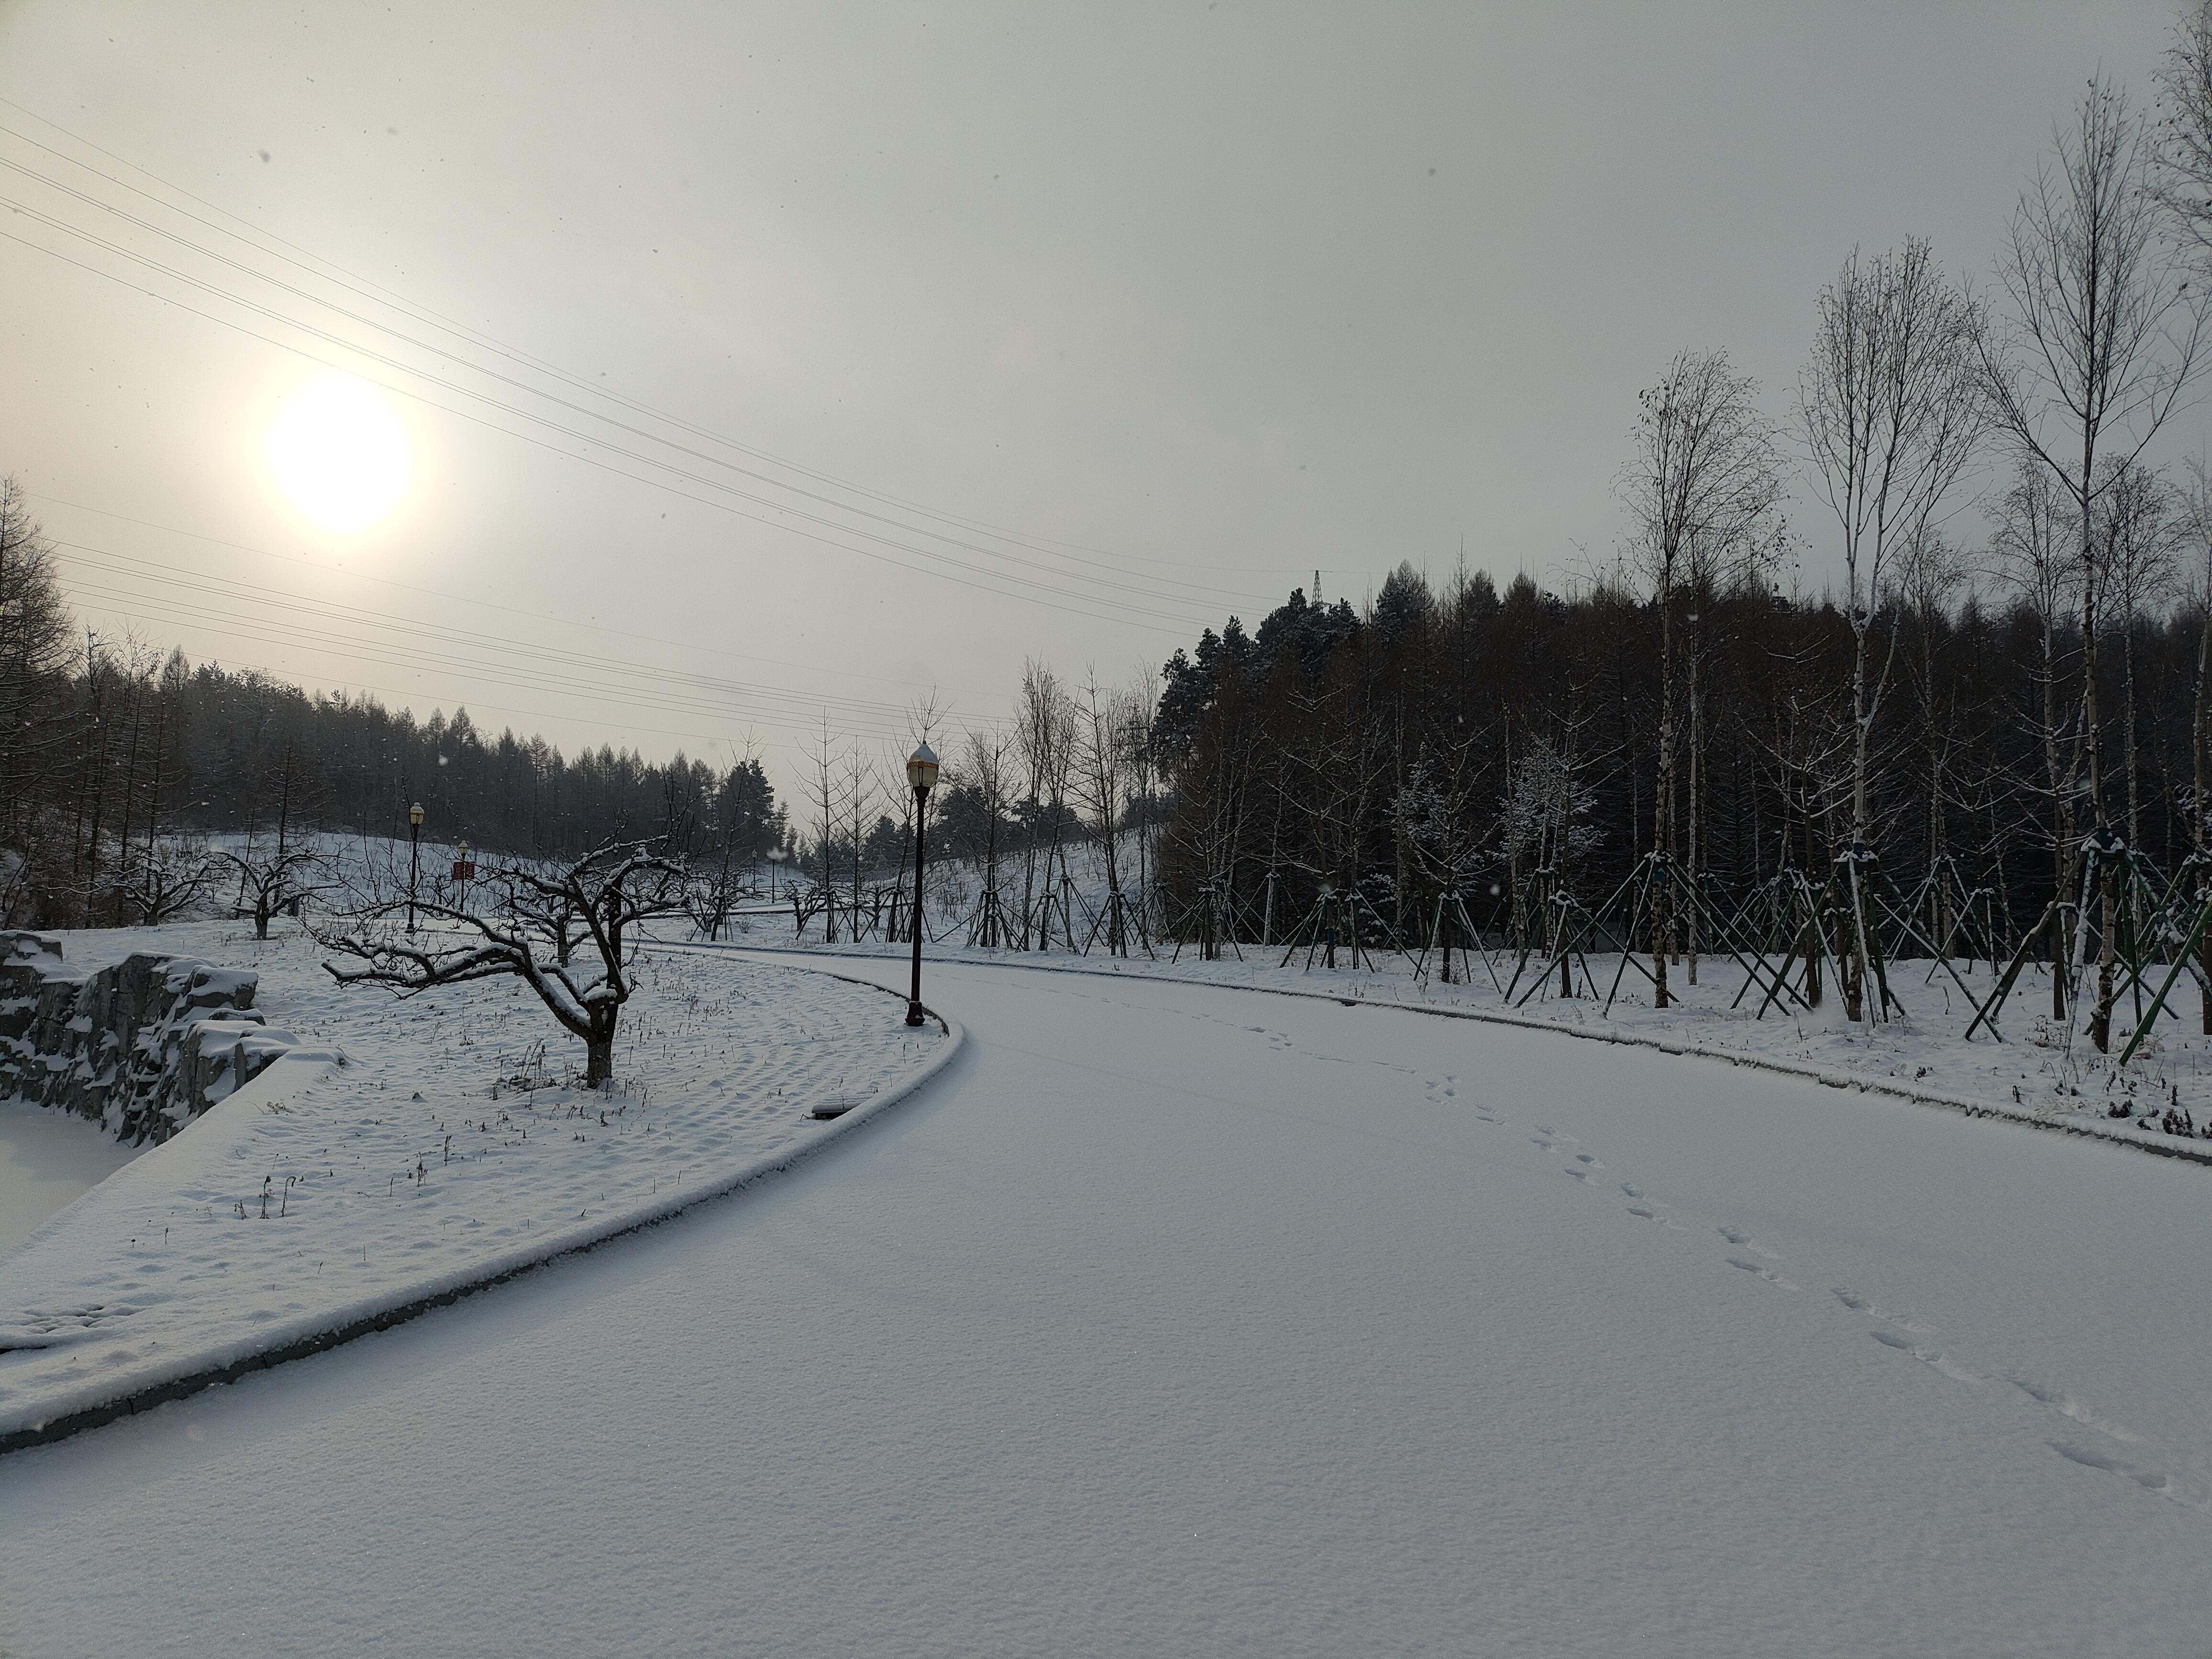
pixel 414 858
pixel 921 773
pixel 774 864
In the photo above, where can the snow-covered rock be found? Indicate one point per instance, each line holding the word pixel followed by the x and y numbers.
pixel 140 1047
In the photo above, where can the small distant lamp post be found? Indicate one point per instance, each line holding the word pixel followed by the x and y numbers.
pixel 774 864
pixel 921 773
pixel 414 858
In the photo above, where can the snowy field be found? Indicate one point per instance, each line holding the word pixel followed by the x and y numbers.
pixel 2041 1072
pixel 1177 1319
pixel 263 1225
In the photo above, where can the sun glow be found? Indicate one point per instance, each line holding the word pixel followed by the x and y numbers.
pixel 339 452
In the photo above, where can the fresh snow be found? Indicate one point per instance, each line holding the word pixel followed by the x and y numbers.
pixel 1173 1318
pixel 48 1160
pixel 2040 1071
pixel 413 1148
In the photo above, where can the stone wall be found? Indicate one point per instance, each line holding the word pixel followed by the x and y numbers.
pixel 141 1048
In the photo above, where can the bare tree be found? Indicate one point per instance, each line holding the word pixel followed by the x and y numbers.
pixel 2139 525
pixel 270 877
pixel 822 799
pixel 2183 179
pixel 1704 482
pixel 983 757
pixel 1891 408
pixel 860 789
pixel 2197 533
pixel 1045 740
pixel 2099 340
pixel 1929 570
pixel 2033 557
pixel 34 641
pixel 1101 787
pixel 611 891
pixel 170 877
pixel 2196 521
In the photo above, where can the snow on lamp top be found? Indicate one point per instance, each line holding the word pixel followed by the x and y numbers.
pixel 922 767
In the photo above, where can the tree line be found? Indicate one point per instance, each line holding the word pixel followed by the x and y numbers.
pixel 115 759
pixel 2021 715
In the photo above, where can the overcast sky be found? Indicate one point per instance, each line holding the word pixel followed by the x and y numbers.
pixel 994 331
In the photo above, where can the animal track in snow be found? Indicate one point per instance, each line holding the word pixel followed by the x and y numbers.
pixel 1637 1209
pixel 1584 1157
pixel 1631 1189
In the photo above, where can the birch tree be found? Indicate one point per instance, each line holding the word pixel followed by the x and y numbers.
pixel 1891 410
pixel 2098 340
pixel 1704 482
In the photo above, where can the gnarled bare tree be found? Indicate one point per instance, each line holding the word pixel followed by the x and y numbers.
pixel 609 891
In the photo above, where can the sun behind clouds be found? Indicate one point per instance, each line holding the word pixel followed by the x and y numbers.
pixel 339 452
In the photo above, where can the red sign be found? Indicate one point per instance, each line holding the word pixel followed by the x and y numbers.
pixel 464 871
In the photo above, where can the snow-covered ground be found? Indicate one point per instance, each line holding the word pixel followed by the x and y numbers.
pixel 262 1225
pixel 1178 1319
pixel 2040 1071
pixel 48 1160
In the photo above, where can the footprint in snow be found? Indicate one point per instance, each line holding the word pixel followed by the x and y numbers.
pixel 1763 1270
pixel 1906 1345
pixel 2090 1458
pixel 2068 1407
pixel 1742 1240
pixel 1631 1189
pixel 1579 1175
pixel 1858 1303
pixel 1638 1209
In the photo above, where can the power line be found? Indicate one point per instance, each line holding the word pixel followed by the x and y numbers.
pixel 521 385
pixel 490 605
pixel 703 481
pixel 376 292
pixel 326 645
pixel 592 673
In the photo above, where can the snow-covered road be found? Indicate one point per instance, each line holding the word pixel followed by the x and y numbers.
pixel 1179 1320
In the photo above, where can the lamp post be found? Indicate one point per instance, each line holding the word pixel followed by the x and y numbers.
pixel 414 858
pixel 921 773
pixel 774 864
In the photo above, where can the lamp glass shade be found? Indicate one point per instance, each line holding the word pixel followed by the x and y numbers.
pixel 922 767
pixel 415 815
